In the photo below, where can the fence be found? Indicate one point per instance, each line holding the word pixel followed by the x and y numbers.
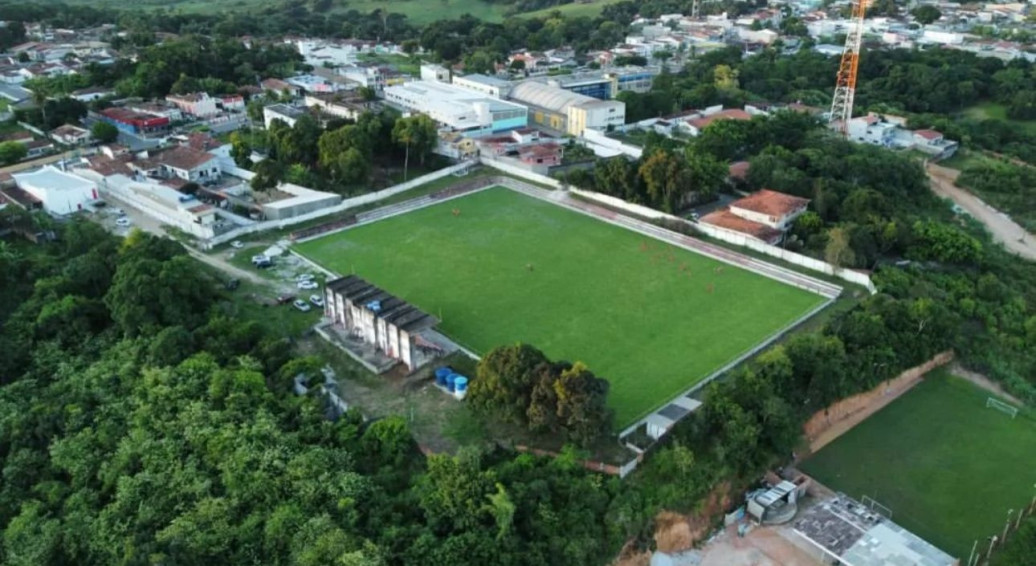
pixel 592 465
pixel 343 206
pixel 734 238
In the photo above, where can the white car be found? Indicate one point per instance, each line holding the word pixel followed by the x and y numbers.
pixel 236 244
pixel 123 222
pixel 317 300
pixel 308 285
pixel 301 305
pixel 305 277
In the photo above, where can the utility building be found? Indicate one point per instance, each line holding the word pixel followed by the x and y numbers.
pixel 377 318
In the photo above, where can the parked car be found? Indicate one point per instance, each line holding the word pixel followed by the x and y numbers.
pixel 258 258
pixel 236 244
pixel 282 299
pixel 305 277
pixel 262 261
pixel 124 222
pixel 302 305
pixel 317 300
pixel 307 285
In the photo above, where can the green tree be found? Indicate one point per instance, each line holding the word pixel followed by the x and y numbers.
pixel 926 14
pixel 417 133
pixel 12 152
pixel 839 251
pixel 104 132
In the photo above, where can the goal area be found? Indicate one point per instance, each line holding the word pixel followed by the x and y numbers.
pixel 994 403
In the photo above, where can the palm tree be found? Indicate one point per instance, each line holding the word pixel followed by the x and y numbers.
pixel 39 99
pixel 403 132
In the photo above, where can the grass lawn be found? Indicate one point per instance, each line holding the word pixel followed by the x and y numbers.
pixel 997 111
pixel 642 318
pixel 590 9
pixel 947 466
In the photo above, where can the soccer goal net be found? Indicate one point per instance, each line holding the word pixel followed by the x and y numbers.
pixel 993 403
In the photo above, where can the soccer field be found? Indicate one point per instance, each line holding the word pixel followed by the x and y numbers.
pixel 651 318
pixel 948 467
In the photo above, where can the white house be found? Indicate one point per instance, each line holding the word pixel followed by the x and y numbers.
pixel 873 129
pixel 70 135
pixel 287 114
pixel 59 192
pixel 180 162
pixel 198 104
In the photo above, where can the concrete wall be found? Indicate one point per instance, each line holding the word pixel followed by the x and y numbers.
pixel 735 238
pixel 599 138
pixel 343 206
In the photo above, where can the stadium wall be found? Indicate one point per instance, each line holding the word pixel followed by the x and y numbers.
pixel 341 207
pixel 832 422
pixel 735 238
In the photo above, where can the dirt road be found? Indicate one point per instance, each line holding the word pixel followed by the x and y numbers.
pixel 1003 229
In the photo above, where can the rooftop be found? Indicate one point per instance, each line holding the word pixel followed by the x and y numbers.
pixel 548 97
pixel 738 170
pixel 857 536
pixel 770 203
pixel 731 114
pixel 486 80
pixel 182 157
pixel 929 134
pixel 726 219
pixel 385 306
pixel 52 179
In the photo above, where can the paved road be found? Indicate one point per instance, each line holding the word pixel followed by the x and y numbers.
pixel 1003 229
pixel 47 160
pixel 149 224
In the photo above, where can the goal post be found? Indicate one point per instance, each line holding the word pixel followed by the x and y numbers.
pixel 878 508
pixel 994 403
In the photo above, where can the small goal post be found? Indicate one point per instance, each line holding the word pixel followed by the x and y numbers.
pixel 878 508
pixel 994 403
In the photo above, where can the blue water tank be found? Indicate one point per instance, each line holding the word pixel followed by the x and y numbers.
pixel 440 375
pixel 460 383
pixel 450 381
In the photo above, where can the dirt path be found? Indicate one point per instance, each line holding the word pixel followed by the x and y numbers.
pixel 985 383
pixel 226 267
pixel 1003 229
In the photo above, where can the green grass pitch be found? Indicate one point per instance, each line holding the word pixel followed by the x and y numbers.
pixel 948 467
pixel 651 318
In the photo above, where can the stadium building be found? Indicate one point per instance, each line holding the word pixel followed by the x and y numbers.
pixel 458 109
pixel 566 111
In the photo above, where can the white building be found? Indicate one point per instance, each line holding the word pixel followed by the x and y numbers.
pixel 492 86
pixel 873 129
pixel 180 162
pixel 433 72
pixel 198 104
pixel 457 108
pixel 565 111
pixel 287 114
pixel 60 193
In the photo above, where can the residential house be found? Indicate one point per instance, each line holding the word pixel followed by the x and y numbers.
pixel 764 215
pixel 70 135
pixel 341 105
pixel 198 104
pixel 281 88
pixel 456 145
pixel 287 114
pixel 180 162
pixel 134 122
pixel 696 124
pixel 92 93
pixel 39 148
pixel 546 154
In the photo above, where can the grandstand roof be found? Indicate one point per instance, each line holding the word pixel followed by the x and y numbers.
pixel 548 97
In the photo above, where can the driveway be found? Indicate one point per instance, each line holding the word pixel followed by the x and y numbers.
pixel 1004 230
